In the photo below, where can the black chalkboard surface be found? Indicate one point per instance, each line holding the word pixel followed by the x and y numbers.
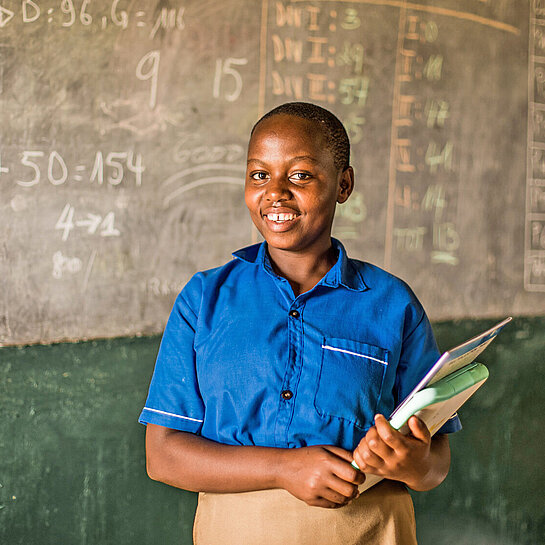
pixel 123 134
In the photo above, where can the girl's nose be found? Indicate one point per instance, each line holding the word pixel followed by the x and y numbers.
pixel 278 188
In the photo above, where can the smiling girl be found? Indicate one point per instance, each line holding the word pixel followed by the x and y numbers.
pixel 275 369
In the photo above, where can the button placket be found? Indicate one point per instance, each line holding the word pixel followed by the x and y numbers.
pixel 291 377
pixel 287 393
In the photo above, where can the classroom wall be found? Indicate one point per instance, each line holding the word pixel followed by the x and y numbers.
pixel 72 468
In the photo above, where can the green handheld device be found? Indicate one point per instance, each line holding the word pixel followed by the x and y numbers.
pixel 437 403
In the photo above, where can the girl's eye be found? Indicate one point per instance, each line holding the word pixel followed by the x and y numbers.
pixel 300 176
pixel 258 176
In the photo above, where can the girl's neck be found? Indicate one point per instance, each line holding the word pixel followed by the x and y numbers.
pixel 302 270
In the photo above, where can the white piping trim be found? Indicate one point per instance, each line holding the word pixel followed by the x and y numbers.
pixel 170 414
pixel 353 353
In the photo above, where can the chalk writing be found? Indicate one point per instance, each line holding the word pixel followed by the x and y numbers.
pixel 6 16
pixel 537 235
pixel 410 239
pixel 352 56
pixel 445 238
pixel 534 239
pixel 72 13
pixel 287 49
pixel 433 68
pixel 119 18
pixel 62 264
pixel 423 31
pixel 350 19
pixel 111 169
pixel 537 269
pixel 289 86
pixel 224 68
pixel 354 90
pixel 67 7
pixel 169 18
pixel 195 177
pixel 30 11
pixel 354 126
pixel 436 112
pixel 208 154
pixel 404 197
pixel 115 160
pixel 414 114
pixel 335 73
pixel 92 223
pixel 148 69
pixel 435 200
pixel 437 157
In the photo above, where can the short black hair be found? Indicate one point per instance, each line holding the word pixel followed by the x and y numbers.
pixel 332 128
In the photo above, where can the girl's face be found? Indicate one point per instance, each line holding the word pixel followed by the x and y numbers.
pixel 292 184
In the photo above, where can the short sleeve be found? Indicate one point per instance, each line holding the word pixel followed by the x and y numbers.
pixel 418 354
pixel 174 400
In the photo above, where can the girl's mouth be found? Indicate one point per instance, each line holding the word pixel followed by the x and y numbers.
pixel 280 218
pixel 280 221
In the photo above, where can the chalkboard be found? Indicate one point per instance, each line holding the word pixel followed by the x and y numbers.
pixel 124 128
pixel 72 463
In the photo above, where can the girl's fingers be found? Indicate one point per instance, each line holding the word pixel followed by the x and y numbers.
pixel 344 469
pixel 340 452
pixel 338 499
pixel 378 447
pixel 367 460
pixel 419 429
pixel 344 489
pixel 391 437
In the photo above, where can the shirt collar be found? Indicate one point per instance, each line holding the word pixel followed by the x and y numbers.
pixel 343 273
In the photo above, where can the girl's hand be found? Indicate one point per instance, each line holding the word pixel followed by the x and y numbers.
pixel 407 458
pixel 321 476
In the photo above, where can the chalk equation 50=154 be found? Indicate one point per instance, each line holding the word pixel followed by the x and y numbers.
pixel 110 168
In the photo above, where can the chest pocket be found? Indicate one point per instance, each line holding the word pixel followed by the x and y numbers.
pixel 350 380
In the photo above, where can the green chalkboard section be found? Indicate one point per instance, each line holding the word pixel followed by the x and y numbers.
pixel 72 466
pixel 492 494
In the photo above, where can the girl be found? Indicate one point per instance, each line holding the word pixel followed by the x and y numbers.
pixel 272 367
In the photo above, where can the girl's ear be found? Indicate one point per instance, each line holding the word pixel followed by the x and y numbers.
pixel 346 185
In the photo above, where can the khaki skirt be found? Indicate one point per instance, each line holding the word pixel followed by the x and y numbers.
pixel 383 515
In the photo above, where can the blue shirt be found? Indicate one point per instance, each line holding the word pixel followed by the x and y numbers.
pixel 244 362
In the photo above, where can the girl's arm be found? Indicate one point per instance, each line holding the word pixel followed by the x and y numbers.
pixel 319 475
pixel 418 460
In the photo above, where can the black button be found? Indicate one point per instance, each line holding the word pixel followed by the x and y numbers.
pixel 287 394
pixel 294 314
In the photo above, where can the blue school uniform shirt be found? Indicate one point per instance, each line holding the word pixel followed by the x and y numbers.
pixel 244 362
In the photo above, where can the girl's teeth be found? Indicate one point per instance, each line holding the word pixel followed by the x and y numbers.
pixel 280 217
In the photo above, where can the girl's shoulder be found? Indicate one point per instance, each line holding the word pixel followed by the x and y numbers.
pixel 382 281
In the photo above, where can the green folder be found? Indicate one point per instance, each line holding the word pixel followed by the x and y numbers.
pixel 436 404
pixel 440 401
